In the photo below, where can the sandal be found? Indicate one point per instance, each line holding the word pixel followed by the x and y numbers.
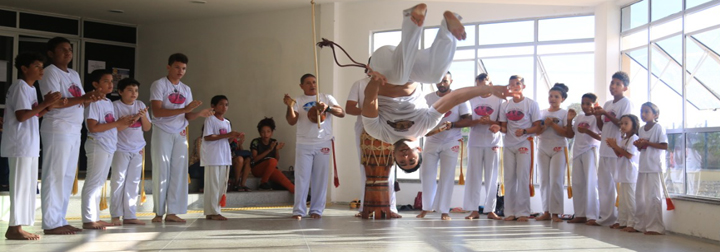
pixel 243 189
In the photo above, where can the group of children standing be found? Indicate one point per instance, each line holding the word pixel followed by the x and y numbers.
pixel 628 171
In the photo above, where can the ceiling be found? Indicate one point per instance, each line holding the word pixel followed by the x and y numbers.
pixel 152 11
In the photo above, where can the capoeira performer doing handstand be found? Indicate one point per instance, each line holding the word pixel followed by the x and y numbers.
pixel 397 113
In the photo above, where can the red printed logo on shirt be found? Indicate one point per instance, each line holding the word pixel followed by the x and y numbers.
pixel 223 131
pixel 183 133
pixel 557 149
pixel 109 118
pixel 176 98
pixel 75 91
pixel 495 149
pixel 447 114
pixel 455 148
pixel 136 124
pixel 607 119
pixel 523 150
pixel 515 115
pixel 484 110
pixel 584 125
pixel 325 151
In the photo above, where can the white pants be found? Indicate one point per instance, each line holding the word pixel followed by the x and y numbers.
pixel 482 161
pixel 405 63
pixel 169 172
pixel 23 187
pixel 626 205
pixel 125 184
pixel 98 166
pixel 437 195
pixel 584 183
pixel 551 172
pixel 517 160
pixel 607 190
pixel 648 198
pixel 59 164
pixel 312 167
pixel 216 177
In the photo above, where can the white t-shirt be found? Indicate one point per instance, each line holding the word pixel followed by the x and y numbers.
pixel 20 139
pixel 103 112
pixel 172 97
pixel 453 115
pixel 130 139
pixel 550 138
pixel 62 120
pixel 405 117
pixel 480 134
pixel 307 131
pixel 215 152
pixel 627 169
pixel 519 115
pixel 610 130
pixel 584 142
pixel 357 94
pixel 652 159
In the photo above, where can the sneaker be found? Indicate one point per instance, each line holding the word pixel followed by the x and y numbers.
pixel 264 187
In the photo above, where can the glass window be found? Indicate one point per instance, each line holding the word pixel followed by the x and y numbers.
pixel 665 29
pixel 463 74
pixel 675 160
pixel 508 32
pixel 703 79
pixel 634 15
pixel 500 70
pixel 633 40
pixel 666 81
pixel 430 33
pixel 566 48
pixel 566 28
pixel 664 8
pixel 506 51
pixel 702 19
pixel 703 164
pixel 692 3
pixel 635 64
pixel 381 39
pixel 464 54
pixel 574 70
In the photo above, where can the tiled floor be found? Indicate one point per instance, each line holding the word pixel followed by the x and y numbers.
pixel 273 230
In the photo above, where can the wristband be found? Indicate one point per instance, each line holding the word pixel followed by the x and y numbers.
pixel 524 131
pixel 452 125
pixel 327 109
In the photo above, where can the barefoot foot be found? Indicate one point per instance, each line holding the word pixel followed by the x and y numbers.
pixel 592 223
pixel 556 218
pixel 543 217
pixel 158 218
pixel 173 218
pixel 395 215
pixel 474 215
pixel 653 233
pixel 358 215
pixel 133 222
pixel 93 225
pixel 71 228
pixel 16 233
pixel 523 218
pixel 58 231
pixel 422 214
pixel 453 24
pixel 215 217
pixel 105 223
pixel 578 220
pixel 445 217
pixel 630 230
pixel 510 218
pixel 297 217
pixel 315 216
pixel 116 221
pixel 493 216
pixel 418 14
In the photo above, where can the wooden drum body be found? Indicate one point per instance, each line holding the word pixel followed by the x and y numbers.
pixel 377 159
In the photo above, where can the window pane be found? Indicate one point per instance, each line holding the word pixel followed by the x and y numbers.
pixel 633 40
pixel 703 164
pixel 566 28
pixel 381 39
pixel 429 35
pixel 665 29
pixel 664 8
pixel 634 63
pixel 509 32
pixel 675 160
pixel 692 3
pixel 464 54
pixel 702 19
pixel 500 70
pixel 463 74
pixel 566 48
pixel 506 51
pixel 635 15
pixel 576 71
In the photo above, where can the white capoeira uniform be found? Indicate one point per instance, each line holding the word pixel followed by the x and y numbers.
pixel 99 149
pixel 169 149
pixel 552 163
pixel 483 156
pixel 649 193
pixel 357 94
pixel 584 172
pixel 441 148
pixel 127 163
pixel 216 157
pixel 607 167
pixel 627 173
pixel 60 134
pixel 405 63
pixel 312 156
pixel 22 148
pixel 517 155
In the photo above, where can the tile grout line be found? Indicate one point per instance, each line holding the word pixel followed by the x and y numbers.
pixel 179 233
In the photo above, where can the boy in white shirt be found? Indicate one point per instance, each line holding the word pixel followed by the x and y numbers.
pixel 22 142
pixel 100 147
pixel 216 157
pixel 584 162
pixel 127 161
pixel 172 106
pixel 60 135
pixel 313 145
pixel 608 119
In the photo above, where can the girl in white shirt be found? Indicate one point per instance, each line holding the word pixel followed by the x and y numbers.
pixel 627 171
pixel 652 145
pixel 551 155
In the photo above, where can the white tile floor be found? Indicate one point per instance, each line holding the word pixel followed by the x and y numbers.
pixel 273 230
